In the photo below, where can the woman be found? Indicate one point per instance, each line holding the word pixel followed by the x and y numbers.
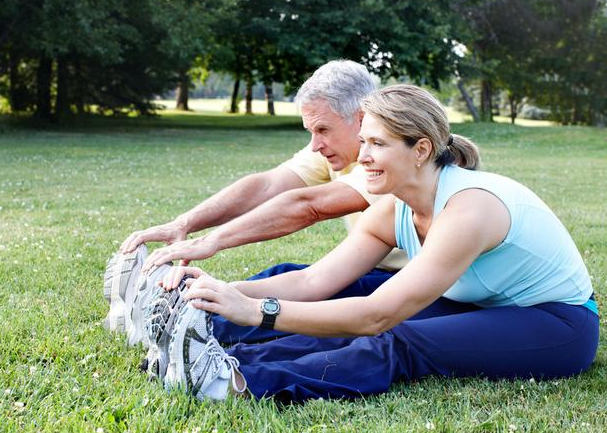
pixel 495 285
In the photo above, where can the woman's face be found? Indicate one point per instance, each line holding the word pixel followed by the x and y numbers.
pixel 387 160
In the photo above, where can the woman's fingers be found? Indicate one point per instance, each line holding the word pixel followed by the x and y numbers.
pixel 204 294
pixel 176 274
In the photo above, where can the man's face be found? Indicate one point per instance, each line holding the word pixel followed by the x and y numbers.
pixel 332 136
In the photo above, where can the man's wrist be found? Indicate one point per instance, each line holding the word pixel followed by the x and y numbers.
pixel 182 223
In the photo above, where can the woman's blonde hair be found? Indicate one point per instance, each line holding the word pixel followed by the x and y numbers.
pixel 410 113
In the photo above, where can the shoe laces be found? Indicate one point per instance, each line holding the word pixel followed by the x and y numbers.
pixel 217 356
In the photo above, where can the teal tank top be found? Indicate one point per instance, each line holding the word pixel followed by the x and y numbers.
pixel 537 262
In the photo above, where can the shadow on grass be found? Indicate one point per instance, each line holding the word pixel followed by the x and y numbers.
pixel 190 120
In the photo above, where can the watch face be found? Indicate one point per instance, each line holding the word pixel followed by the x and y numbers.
pixel 270 306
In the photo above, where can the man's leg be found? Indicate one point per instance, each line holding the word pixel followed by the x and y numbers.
pixel 545 341
pixel 229 333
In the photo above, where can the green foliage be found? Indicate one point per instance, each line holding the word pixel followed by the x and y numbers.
pixel 549 51
pixel 285 41
pixel 69 195
pixel 112 54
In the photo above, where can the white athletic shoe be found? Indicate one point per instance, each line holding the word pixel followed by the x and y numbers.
pixel 144 289
pixel 198 364
pixel 159 317
pixel 121 273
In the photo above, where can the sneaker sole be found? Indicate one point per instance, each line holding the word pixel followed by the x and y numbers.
pixel 143 293
pixel 159 326
pixel 178 371
pixel 117 276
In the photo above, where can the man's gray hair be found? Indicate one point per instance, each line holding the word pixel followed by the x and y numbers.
pixel 342 83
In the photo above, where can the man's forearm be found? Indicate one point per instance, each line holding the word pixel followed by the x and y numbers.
pixel 237 199
pixel 288 213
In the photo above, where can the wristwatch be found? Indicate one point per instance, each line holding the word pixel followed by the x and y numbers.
pixel 270 309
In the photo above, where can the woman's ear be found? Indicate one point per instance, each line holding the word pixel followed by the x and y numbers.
pixel 423 150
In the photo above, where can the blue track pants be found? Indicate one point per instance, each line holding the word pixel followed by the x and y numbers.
pixel 447 338
pixel 229 333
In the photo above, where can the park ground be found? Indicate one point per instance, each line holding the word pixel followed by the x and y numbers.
pixel 69 195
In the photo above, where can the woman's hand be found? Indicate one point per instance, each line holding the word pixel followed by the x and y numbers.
pixel 216 296
pixel 172 279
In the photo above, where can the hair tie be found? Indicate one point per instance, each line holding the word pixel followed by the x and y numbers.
pixel 450 142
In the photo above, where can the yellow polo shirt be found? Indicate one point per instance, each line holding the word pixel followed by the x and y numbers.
pixel 314 169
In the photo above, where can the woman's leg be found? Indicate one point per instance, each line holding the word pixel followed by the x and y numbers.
pixel 544 341
pixel 321 367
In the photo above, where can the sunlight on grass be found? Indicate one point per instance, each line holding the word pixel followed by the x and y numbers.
pixel 221 106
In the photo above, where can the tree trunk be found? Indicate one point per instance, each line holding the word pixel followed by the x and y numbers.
pixel 43 88
pixel 468 100
pixel 62 102
pixel 79 89
pixel 513 108
pixel 183 92
pixel 248 95
pixel 234 102
pixel 14 95
pixel 270 98
pixel 486 101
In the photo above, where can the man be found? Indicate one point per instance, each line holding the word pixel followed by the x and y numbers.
pixel 321 181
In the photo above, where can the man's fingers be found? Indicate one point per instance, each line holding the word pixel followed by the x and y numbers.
pixel 157 258
pixel 126 246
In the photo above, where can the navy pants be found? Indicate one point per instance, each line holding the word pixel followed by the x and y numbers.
pixel 229 333
pixel 447 338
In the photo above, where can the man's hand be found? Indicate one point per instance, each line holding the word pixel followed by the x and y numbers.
pixel 170 233
pixel 193 249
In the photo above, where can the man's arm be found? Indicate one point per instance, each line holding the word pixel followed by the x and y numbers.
pixel 231 202
pixel 284 214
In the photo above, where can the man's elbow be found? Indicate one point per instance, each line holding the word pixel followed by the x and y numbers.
pixel 303 205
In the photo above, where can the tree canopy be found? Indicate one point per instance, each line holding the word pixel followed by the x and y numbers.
pixel 59 57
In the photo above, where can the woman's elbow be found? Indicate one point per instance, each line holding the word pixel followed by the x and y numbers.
pixel 378 321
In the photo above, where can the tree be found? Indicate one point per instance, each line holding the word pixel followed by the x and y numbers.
pixel 115 55
pixel 547 50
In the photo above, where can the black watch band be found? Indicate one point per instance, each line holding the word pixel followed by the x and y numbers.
pixel 270 308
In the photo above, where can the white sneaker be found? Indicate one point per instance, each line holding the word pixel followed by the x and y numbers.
pixel 198 364
pixel 120 276
pixel 159 317
pixel 144 289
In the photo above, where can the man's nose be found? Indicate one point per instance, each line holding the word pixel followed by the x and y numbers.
pixel 317 142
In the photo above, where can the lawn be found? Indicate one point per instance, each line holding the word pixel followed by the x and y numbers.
pixel 70 195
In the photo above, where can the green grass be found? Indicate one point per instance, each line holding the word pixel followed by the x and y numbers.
pixel 70 195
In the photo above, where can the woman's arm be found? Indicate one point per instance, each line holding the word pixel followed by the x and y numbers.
pixel 360 252
pixel 474 221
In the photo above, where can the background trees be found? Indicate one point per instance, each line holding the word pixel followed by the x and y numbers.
pixel 60 57
pixel 547 52
pixel 63 56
